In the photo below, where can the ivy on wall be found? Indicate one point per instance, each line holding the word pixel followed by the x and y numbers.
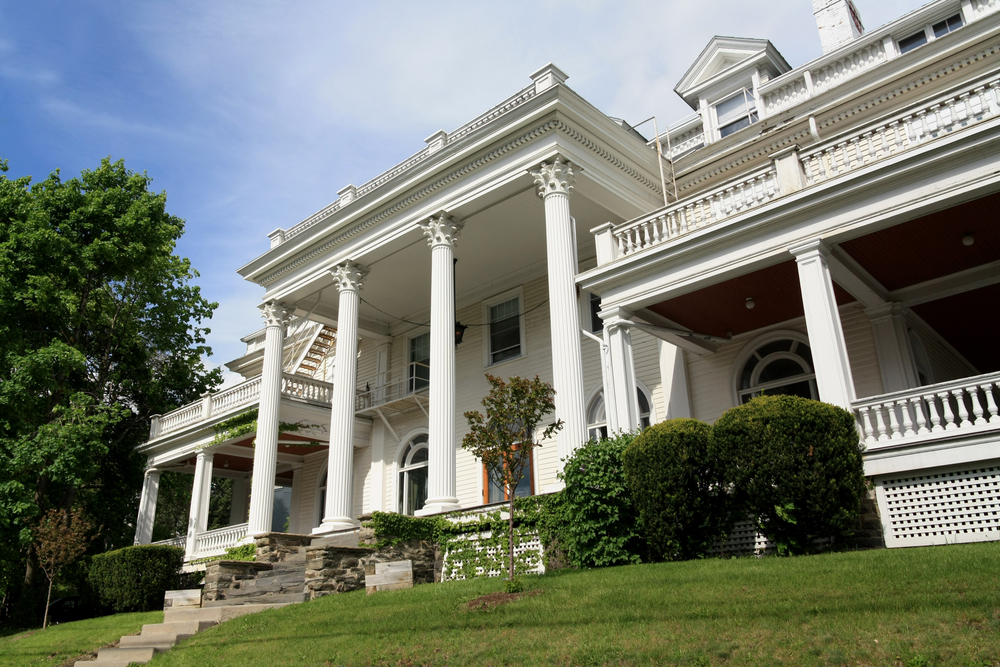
pixel 246 423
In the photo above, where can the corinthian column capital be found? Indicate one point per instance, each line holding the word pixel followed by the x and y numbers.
pixel 275 314
pixel 556 177
pixel 349 276
pixel 441 229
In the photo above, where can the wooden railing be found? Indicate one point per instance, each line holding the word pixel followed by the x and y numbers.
pixel 948 409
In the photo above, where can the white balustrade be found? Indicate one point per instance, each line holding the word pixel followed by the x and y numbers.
pixel 172 542
pixel 687 216
pixel 956 408
pixel 305 388
pixel 386 393
pixel 215 542
pixel 981 8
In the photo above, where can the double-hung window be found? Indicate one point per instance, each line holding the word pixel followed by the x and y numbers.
pixel 419 371
pixel 736 112
pixel 505 330
pixel 494 490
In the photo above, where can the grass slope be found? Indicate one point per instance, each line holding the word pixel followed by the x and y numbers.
pixel 906 607
pixel 59 644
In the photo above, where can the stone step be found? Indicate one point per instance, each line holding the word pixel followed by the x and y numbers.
pixel 151 641
pixel 177 628
pixel 263 599
pixel 278 578
pixel 140 654
pixel 217 613
pixel 342 539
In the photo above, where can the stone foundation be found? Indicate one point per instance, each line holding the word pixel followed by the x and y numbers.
pixel 222 575
pixel 333 569
pixel 276 547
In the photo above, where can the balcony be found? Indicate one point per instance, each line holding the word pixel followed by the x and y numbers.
pixel 394 397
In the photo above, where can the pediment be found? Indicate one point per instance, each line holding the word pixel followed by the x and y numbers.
pixel 722 54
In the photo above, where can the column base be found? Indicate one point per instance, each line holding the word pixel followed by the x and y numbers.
pixel 438 506
pixel 334 524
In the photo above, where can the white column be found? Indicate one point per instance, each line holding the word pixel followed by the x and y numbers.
pixel 673 376
pixel 555 180
pixel 892 345
pixel 441 231
pixel 296 499
pixel 623 409
pixel 206 491
pixel 147 506
pixel 339 511
pixel 238 508
pixel 265 454
pixel 377 471
pixel 197 492
pixel 826 335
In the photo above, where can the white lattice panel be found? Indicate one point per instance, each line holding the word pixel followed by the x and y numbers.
pixel 941 506
pixel 530 544
pixel 744 539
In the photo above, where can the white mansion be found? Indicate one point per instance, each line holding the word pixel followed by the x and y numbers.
pixel 829 230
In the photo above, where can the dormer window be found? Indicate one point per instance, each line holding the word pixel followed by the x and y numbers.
pixel 736 112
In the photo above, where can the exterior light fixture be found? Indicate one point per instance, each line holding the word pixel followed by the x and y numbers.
pixel 750 303
pixel 968 239
pixel 459 333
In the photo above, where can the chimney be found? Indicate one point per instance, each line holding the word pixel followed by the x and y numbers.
pixel 838 22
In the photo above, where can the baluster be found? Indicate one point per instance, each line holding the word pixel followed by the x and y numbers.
pixel 977 405
pixel 867 424
pixel 893 421
pixel 621 244
pixel 855 149
pixel 904 408
pixel 678 222
pixel 631 240
pixel 896 142
pixel 810 164
pixel 869 146
pixel 661 219
pixel 643 229
pixel 883 434
pixel 991 406
pixel 727 200
pixel 963 409
pixel 949 416
pixel 918 407
pixel 935 414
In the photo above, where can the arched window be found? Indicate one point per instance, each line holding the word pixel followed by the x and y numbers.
pixel 597 419
pixel 781 365
pixel 413 475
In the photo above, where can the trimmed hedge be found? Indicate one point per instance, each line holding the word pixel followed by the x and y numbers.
pixel 796 466
pixel 135 578
pixel 679 489
pixel 593 518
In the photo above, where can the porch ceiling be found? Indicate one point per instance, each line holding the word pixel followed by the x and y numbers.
pixel 931 246
pixel 498 244
pixel 721 309
pixel 968 321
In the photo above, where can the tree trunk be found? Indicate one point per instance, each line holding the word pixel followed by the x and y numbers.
pixel 510 535
pixel 48 600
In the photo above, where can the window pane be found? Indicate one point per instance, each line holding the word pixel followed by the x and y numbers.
pixel 505 330
pixel 801 389
pixel 780 368
pixel 496 491
pixel 416 487
pixel 596 323
pixel 912 42
pixel 783 345
pixel 419 373
pixel 748 372
pixel 946 26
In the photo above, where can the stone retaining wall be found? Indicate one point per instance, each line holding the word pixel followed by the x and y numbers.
pixel 221 575
pixel 331 569
pixel 276 547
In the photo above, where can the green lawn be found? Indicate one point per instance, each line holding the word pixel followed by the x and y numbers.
pixel 906 607
pixel 59 645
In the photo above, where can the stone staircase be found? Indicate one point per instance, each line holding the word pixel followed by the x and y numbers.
pixel 282 582
pixel 156 638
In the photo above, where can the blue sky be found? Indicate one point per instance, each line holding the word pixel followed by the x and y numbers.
pixel 251 115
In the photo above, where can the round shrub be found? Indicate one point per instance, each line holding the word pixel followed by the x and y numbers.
pixel 595 521
pixel 796 466
pixel 135 578
pixel 682 497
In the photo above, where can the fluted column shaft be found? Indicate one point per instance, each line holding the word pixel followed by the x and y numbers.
pixel 265 454
pixel 202 471
pixel 339 511
pixel 441 232
pixel 826 334
pixel 555 181
pixel 147 507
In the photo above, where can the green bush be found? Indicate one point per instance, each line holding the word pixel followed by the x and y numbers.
pixel 135 578
pixel 683 500
pixel 796 466
pixel 593 518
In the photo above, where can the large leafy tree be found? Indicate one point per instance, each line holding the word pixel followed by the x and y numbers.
pixel 99 329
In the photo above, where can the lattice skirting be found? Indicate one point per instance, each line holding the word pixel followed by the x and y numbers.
pixel 744 539
pixel 493 557
pixel 941 505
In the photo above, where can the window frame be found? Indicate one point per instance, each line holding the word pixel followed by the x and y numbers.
pixel 517 292
pixel 929 34
pixel 529 472
pixel 411 387
pixel 399 497
pixel 760 341
pixel 647 418
pixel 751 111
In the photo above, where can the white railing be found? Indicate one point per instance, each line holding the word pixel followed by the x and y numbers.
pixel 215 542
pixel 244 394
pixel 495 112
pixel 940 116
pixel 948 409
pixel 697 213
pixel 172 542
pixel 387 393
pixel 685 145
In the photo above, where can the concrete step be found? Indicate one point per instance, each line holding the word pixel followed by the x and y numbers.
pixel 178 628
pixel 151 641
pixel 217 613
pixel 140 654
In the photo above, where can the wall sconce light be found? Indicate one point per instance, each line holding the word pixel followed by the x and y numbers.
pixel 750 303
pixel 968 239
pixel 459 333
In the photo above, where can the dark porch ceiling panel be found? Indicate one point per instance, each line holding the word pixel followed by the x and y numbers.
pixel 931 246
pixel 721 309
pixel 969 321
pixel 308 445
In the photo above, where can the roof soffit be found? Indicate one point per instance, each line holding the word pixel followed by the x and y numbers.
pixel 557 109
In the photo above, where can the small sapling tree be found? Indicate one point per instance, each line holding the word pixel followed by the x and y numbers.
pixel 60 538
pixel 503 439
